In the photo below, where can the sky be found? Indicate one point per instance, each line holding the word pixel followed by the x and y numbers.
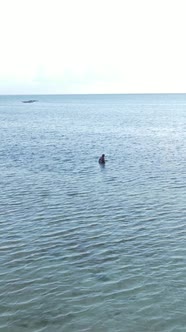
pixel 92 46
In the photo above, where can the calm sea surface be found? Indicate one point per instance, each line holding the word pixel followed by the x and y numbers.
pixel 85 247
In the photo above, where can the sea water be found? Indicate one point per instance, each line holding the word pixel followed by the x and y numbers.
pixel 90 247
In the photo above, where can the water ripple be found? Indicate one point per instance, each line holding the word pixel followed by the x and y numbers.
pixel 90 248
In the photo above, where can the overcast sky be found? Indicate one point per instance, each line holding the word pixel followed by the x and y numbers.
pixel 92 46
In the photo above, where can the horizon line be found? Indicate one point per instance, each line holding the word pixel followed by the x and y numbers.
pixel 93 94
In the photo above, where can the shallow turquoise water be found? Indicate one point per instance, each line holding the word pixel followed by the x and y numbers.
pixel 85 247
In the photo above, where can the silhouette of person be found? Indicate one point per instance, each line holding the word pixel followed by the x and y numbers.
pixel 102 159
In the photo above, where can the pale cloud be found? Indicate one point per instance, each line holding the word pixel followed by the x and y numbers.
pixel 86 46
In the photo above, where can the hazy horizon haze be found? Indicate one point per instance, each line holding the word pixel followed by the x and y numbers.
pixel 85 47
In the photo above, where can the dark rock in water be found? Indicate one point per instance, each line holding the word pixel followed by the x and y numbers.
pixel 29 101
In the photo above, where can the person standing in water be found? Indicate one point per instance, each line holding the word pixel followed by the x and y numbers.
pixel 102 159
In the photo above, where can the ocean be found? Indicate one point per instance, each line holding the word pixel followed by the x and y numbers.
pixel 90 247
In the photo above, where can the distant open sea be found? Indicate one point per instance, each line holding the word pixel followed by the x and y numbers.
pixel 85 247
